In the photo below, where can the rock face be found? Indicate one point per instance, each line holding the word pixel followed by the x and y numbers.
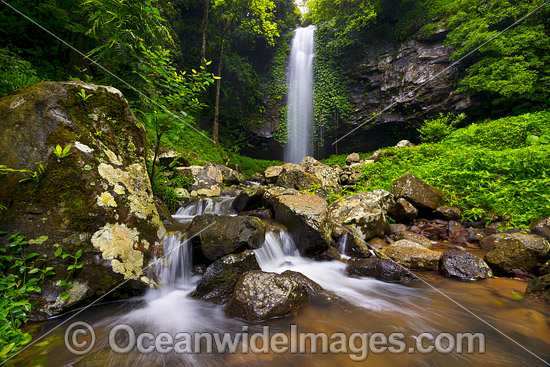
pixel 307 220
pixel 218 281
pixel 521 251
pixel 98 199
pixel 411 257
pixel 220 235
pixel 261 296
pixel 539 288
pixel 365 212
pixel 463 265
pixel 381 269
pixel 207 181
pixel 329 178
pixel 417 192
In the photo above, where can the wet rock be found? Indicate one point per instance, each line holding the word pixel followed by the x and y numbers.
pixel 274 192
pixel 207 181
pixel 257 177
pixel 329 177
pixel 98 199
pixel 463 265
pixel 365 212
pixel 307 220
pixel 545 269
pixel 407 243
pixel 261 296
pixel 404 210
pixel 298 179
pixel 397 227
pixel 410 257
pixel 417 192
pixel 249 199
pixel 539 288
pixel 263 214
pixel 377 243
pixel 352 158
pixel 230 176
pixel 455 228
pixel 414 237
pixel 352 245
pixel 220 277
pixel 525 252
pixel 449 212
pixel 381 269
pixel 272 173
pixel 331 254
pixel 220 235
pixel 311 285
pixel 541 228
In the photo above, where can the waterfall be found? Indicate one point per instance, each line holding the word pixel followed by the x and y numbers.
pixel 300 96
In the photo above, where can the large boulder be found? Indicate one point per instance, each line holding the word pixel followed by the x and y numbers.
pixel 307 220
pixel 417 192
pixel 525 252
pixel 272 173
pixel 217 283
pixel 539 288
pixel 97 200
pixel 249 199
pixel 541 227
pixel 353 158
pixel 220 235
pixel 414 237
pixel 365 212
pixel 207 181
pixel 381 269
pixel 463 265
pixel 329 178
pixel 545 269
pixel 260 296
pixel 411 257
pixel 295 177
pixel 230 176
pixel 404 210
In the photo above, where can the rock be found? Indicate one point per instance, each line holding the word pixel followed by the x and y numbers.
pixel 274 192
pixel 545 269
pixel 404 210
pixel 404 143
pixel 170 158
pixel 230 176
pixel 297 179
pixel 307 220
pixel 261 296
pixel 272 173
pixel 98 199
pixel 182 193
pixel 311 285
pixel 377 243
pixel 257 177
pixel 397 227
pixel 354 178
pixel 410 257
pixel 407 243
pixel 220 277
pixel 381 269
pixel 207 181
pixel 525 252
pixel 249 199
pixel 449 212
pixel 263 214
pixel 375 157
pixel 329 178
pixel 331 254
pixel 539 288
pixel 417 192
pixel 541 228
pixel 414 237
pixel 220 235
pixel 351 245
pixel 352 158
pixel 365 212
pixel 463 265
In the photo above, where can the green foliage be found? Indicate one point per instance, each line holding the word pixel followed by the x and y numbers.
pixel 64 283
pixel 249 166
pixel 437 129
pixel 15 72
pixel 83 96
pixel 34 175
pixel 482 169
pixel 20 278
pixel 61 152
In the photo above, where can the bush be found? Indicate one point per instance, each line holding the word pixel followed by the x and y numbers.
pixel 438 129
pixel 15 72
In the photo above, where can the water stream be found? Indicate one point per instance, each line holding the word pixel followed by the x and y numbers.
pixel 300 96
pixel 349 305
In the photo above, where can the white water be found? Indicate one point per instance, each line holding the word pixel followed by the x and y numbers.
pixel 300 96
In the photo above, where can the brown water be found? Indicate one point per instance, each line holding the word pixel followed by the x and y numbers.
pixel 368 306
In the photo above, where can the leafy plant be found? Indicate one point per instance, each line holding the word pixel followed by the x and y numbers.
pixel 71 269
pixel 438 129
pixel 62 152
pixel 82 94
pixel 35 175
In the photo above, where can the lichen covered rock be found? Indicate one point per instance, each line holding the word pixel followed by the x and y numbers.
pixel 207 181
pixel 417 192
pixel 260 296
pixel 381 269
pixel 411 257
pixel 97 199
pixel 525 252
pixel 539 288
pixel 463 265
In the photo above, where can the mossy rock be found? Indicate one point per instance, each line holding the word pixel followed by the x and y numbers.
pixel 97 199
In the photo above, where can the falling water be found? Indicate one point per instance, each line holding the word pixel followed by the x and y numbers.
pixel 300 96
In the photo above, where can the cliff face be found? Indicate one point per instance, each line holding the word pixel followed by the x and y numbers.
pixel 401 77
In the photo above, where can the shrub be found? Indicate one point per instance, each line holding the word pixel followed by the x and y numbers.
pixel 438 129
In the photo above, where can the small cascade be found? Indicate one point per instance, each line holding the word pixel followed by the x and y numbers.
pixel 204 206
pixel 277 248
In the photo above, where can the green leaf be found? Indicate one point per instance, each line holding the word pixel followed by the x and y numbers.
pixel 33 271
pixel 40 240
pixel 58 251
pixel 7 349
pixel 78 254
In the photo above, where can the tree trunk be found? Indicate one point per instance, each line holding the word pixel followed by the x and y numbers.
pixel 218 91
pixel 204 26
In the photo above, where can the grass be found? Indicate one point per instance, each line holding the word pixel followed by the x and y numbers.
pixel 484 169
